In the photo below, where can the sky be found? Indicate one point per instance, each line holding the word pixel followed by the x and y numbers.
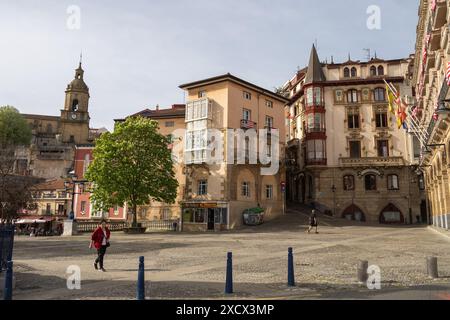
pixel 136 53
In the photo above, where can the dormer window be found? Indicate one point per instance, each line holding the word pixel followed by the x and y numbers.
pixel 380 71
pixel 346 73
pixel 354 72
pixel 373 71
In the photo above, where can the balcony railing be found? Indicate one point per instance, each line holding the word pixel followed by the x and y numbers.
pixel 315 130
pixel 248 124
pixel 372 161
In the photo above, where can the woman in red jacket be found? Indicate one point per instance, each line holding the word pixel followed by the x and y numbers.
pixel 100 240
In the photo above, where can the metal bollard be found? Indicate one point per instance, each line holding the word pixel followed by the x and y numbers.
pixel 141 280
pixel 432 267
pixel 362 271
pixel 229 277
pixel 7 294
pixel 291 279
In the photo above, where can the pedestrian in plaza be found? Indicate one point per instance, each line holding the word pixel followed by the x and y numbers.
pixel 100 241
pixel 313 222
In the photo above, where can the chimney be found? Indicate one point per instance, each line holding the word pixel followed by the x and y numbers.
pixel 157 107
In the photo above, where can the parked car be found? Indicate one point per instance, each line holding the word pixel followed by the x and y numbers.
pixel 253 216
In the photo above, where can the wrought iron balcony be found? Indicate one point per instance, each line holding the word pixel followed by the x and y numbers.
pixel 248 124
pixel 372 161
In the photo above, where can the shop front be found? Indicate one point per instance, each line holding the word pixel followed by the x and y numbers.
pixel 204 216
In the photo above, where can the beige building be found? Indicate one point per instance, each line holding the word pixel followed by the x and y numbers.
pixel 51 153
pixel 346 155
pixel 170 121
pixel 216 194
pixel 433 108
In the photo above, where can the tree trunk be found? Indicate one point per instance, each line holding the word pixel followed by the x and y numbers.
pixel 134 223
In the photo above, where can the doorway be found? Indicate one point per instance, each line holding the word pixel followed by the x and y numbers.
pixel 423 212
pixel 211 217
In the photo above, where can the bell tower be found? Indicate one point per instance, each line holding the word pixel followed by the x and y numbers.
pixel 75 116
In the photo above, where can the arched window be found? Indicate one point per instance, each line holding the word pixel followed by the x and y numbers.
pixel 349 183
pixel 380 71
pixel 75 105
pixel 346 73
pixel 393 182
pixel 370 182
pixel 379 94
pixel 391 215
pixel 373 71
pixel 352 95
pixel 354 72
pixel 353 212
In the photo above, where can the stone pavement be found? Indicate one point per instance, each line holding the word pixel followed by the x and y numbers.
pixel 192 266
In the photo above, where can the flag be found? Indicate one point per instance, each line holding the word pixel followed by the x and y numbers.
pixel 391 98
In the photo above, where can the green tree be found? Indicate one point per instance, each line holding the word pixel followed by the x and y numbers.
pixel 132 165
pixel 14 191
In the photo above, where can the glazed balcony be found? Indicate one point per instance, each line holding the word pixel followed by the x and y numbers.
pixel 372 161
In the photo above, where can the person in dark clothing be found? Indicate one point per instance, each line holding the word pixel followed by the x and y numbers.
pixel 313 222
pixel 100 241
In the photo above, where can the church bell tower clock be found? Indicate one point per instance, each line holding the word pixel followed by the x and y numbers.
pixel 75 115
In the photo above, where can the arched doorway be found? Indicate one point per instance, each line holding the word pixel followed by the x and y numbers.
pixel 354 213
pixel 391 215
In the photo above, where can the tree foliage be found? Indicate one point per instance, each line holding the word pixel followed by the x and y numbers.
pixel 132 165
pixel 15 191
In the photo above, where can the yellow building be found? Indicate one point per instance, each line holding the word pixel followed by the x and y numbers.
pixel 225 111
pixel 346 155
pixel 433 108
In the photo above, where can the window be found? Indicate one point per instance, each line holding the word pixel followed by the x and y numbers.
pixel 353 119
pixel 143 213
pixel 170 124
pixel 245 189
pixel 316 149
pixel 269 122
pixel 373 71
pixel 247 95
pixel 202 94
pixel 166 214
pixel 116 210
pixel 247 115
pixel 315 122
pixel 349 183
pixel 309 96
pixel 317 96
pixel 72 139
pixel 381 119
pixel 393 182
pixel 383 148
pixel 269 192
pixel 346 73
pixel 269 104
pixel 355 149
pixel 370 182
pixel 354 72
pixel 352 96
pixel 49 128
pixel 379 94
pixel 202 187
pixel 83 207
pixel 75 105
pixel 380 71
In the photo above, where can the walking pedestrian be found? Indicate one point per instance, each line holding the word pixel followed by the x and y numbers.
pixel 100 240
pixel 313 222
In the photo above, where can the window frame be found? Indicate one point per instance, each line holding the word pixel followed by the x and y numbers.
pixel 245 189
pixel 390 183
pixel 353 94
pixel 346 187
pixel 202 187
pixel 374 188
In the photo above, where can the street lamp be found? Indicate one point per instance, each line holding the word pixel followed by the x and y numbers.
pixel 70 186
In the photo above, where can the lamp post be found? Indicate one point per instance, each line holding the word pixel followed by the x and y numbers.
pixel 70 186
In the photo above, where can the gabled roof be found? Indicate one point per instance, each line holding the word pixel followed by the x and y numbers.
pixel 232 78
pixel 315 72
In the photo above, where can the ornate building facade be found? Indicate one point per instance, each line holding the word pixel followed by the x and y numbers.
pixel 345 153
pixel 431 67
